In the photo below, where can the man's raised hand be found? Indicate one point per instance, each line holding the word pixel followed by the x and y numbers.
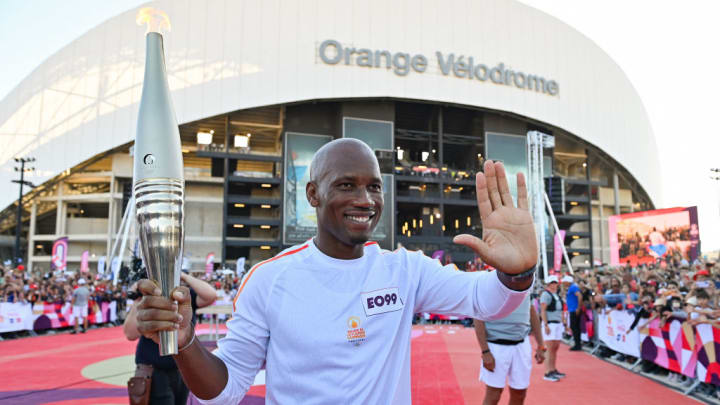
pixel 508 241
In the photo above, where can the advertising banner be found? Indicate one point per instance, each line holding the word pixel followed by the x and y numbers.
pixel 85 262
pixel 512 151
pixel 101 265
pixel 59 254
pixel 384 233
pixel 644 237
pixel 613 329
pixel 557 250
pixel 115 265
pixel 209 263
pixel 299 220
pixel 15 317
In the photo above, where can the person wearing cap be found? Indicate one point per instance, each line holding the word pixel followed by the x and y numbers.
pixel 574 305
pixel 507 353
pixel 553 326
pixel 700 310
pixel 80 305
pixel 701 279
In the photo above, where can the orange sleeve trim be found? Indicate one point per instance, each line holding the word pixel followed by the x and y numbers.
pixel 370 243
pixel 260 264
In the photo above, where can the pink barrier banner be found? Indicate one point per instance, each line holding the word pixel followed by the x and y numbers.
pixel 59 315
pixel 673 345
pixel 707 350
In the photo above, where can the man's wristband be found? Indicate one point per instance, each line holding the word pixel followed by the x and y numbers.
pixel 486 351
pixel 515 278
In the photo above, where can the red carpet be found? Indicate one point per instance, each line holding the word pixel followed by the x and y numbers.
pixel 445 366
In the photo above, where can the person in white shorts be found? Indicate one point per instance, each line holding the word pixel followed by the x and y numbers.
pixel 551 311
pixel 80 305
pixel 507 353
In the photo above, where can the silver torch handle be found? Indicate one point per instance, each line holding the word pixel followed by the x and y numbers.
pixel 159 212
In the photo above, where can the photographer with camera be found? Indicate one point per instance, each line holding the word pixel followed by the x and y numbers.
pixel 157 380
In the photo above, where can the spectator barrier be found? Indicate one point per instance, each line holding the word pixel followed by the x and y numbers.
pixel 675 344
pixel 671 345
pixel 16 317
pixel 613 332
pixel 587 325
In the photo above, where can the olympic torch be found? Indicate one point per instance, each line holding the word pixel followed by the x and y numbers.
pixel 158 183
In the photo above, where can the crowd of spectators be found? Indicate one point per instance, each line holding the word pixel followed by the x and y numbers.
pixel 659 290
pixel 663 289
pixel 20 286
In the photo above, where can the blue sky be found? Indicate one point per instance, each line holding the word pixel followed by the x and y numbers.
pixel 667 49
pixel 32 30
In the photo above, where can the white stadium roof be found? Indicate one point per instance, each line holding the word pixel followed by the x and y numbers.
pixel 228 55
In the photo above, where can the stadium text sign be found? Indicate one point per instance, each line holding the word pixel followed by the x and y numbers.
pixel 332 53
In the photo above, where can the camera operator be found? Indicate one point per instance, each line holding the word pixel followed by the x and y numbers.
pixel 157 379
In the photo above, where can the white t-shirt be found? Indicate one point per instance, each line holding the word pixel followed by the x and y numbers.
pixel 656 238
pixel 337 331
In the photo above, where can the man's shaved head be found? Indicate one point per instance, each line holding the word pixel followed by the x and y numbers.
pixel 343 148
pixel 345 188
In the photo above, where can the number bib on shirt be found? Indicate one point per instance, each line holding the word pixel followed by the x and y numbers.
pixel 381 301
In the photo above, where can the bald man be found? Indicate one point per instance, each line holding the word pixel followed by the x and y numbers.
pixel 331 318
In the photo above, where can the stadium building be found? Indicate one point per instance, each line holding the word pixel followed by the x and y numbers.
pixel 434 87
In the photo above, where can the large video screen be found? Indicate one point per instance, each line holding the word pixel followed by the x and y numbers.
pixel 644 237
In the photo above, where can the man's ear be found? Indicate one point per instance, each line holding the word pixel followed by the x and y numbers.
pixel 311 192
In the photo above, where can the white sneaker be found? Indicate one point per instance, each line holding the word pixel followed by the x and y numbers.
pixel 551 377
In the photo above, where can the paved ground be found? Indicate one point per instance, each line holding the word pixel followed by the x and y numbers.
pixel 92 368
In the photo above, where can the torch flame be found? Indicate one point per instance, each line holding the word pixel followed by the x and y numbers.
pixel 156 20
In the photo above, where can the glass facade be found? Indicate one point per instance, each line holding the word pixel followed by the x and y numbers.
pixel 246 194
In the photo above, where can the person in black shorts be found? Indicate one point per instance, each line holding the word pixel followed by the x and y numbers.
pixel 167 386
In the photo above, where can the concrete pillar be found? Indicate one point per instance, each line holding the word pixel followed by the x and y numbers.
pixel 601 232
pixel 60 212
pixel 111 217
pixel 616 192
pixel 31 236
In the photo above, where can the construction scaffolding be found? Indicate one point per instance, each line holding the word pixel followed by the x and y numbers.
pixel 539 201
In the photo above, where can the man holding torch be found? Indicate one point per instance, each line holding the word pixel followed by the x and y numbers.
pixel 331 318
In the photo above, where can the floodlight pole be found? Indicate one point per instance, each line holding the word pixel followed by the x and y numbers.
pixel 21 182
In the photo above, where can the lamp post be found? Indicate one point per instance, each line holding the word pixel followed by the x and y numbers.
pixel 715 176
pixel 18 226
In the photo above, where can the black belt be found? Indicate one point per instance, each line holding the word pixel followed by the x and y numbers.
pixel 506 342
pixel 553 321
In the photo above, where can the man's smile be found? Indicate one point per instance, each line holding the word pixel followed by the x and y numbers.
pixel 360 217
